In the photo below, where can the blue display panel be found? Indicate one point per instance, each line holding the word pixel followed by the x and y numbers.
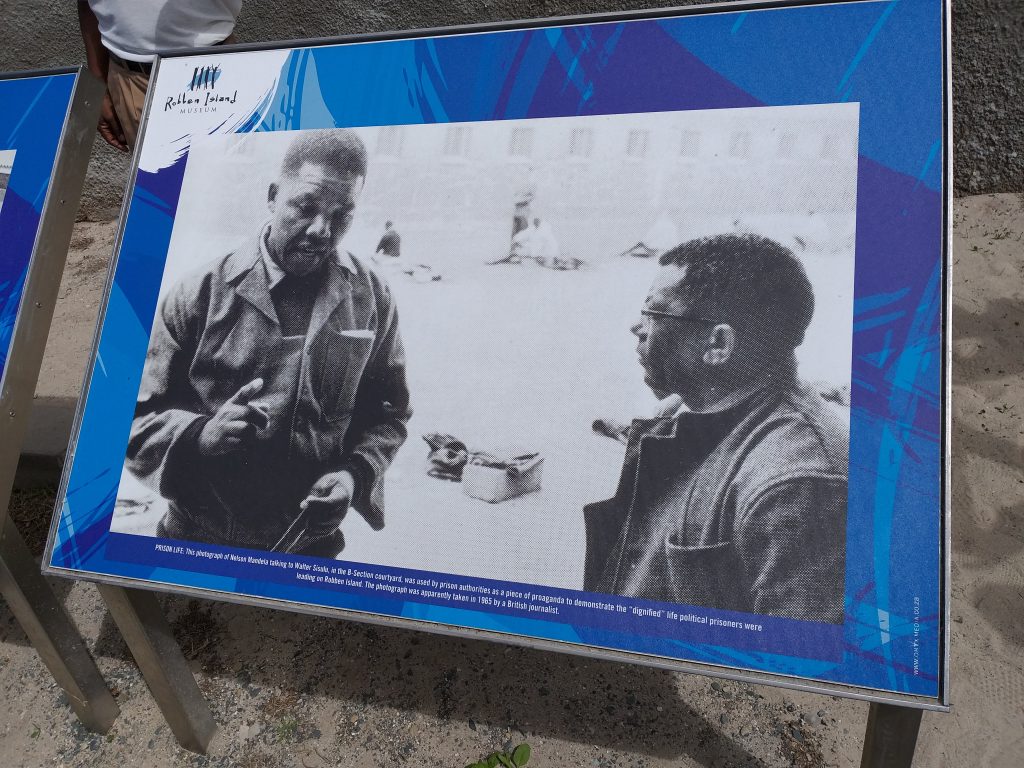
pixel 31 124
pixel 821 127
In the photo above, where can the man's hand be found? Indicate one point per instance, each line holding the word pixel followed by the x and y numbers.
pixel 110 127
pixel 98 59
pixel 327 502
pixel 235 423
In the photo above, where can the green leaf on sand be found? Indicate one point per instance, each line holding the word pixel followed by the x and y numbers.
pixel 521 755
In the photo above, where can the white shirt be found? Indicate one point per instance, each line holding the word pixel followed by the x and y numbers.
pixel 543 242
pixel 136 29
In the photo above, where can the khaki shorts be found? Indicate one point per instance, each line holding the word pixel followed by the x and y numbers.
pixel 128 94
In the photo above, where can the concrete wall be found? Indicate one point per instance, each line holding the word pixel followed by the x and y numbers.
pixel 988 80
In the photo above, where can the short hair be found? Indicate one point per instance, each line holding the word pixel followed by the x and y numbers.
pixel 748 281
pixel 340 149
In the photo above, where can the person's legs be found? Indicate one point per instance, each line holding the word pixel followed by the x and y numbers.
pixel 128 94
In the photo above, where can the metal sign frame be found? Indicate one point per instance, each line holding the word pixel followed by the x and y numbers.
pixel 52 139
pixel 44 266
pixel 941 154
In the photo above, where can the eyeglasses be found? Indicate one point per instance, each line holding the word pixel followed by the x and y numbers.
pixel 686 318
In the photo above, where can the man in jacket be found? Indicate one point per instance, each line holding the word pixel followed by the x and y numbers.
pixel 737 499
pixel 274 393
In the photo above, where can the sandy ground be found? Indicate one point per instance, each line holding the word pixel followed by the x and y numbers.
pixel 290 690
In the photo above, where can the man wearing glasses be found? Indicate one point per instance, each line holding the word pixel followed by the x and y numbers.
pixel 735 496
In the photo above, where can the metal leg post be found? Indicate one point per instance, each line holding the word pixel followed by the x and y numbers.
pixel 52 634
pixel 891 736
pixel 144 627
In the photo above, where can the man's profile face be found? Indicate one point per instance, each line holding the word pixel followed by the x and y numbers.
pixel 670 349
pixel 310 213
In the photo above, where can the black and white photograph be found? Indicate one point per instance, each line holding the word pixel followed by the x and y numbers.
pixel 605 353
pixel 6 166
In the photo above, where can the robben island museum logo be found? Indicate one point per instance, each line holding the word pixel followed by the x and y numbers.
pixel 201 94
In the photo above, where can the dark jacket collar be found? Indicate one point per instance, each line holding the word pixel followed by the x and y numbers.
pixel 723 420
pixel 244 271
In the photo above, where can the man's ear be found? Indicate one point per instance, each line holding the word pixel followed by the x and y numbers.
pixel 721 344
pixel 272 196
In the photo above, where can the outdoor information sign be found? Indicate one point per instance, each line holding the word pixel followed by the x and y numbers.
pixel 618 335
pixel 41 172
pixel 47 124
pixel 30 131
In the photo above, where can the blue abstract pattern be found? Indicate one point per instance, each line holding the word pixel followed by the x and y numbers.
pixel 31 122
pixel 888 56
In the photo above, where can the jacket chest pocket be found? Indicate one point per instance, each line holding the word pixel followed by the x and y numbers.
pixel 705 575
pixel 339 364
pixel 229 358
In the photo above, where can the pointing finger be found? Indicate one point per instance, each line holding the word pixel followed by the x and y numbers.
pixel 241 397
pixel 259 414
pixel 240 429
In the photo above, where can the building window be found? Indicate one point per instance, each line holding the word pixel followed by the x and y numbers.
pixel 690 144
pixel 636 143
pixel 581 142
pixel 787 145
pixel 739 144
pixel 456 141
pixel 389 141
pixel 520 142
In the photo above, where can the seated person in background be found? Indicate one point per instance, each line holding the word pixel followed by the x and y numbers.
pixel 390 242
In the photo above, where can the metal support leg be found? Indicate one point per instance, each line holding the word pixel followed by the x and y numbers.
pixel 145 629
pixel 891 736
pixel 52 634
